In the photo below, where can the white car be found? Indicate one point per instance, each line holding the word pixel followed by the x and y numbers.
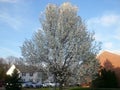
pixel 45 85
pixel 49 84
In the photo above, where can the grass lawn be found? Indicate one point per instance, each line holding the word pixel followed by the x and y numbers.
pixel 38 89
pixel 73 88
pixel 67 88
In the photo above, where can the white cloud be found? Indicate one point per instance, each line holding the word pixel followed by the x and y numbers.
pixel 9 1
pixel 107 29
pixel 109 20
pixel 13 22
pixel 105 20
pixel 108 45
pixel 117 35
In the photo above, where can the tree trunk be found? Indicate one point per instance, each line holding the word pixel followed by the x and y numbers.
pixel 60 86
pixel 55 87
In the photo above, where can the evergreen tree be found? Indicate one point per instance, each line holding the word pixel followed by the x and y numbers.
pixel 13 82
pixel 2 73
pixel 2 76
pixel 105 79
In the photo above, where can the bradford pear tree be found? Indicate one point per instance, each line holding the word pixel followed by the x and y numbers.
pixel 62 43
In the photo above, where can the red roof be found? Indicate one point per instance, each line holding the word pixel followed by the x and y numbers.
pixel 113 58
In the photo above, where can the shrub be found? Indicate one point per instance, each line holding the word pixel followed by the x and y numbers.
pixel 80 88
pixel 105 79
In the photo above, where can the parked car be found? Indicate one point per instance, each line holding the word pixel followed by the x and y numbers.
pixel 44 85
pixel 39 85
pixel 32 85
pixel 50 84
pixel 27 84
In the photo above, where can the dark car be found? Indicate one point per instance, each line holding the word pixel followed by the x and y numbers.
pixel 27 84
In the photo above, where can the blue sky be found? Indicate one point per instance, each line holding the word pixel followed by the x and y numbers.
pixel 19 19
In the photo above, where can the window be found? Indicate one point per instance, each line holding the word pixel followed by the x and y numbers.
pixel 31 74
pixel 23 74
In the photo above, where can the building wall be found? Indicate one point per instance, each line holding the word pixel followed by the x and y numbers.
pixel 110 61
pixel 36 77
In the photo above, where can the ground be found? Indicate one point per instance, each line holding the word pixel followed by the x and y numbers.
pixel 78 88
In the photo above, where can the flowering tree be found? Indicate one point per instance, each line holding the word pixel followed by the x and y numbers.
pixel 62 43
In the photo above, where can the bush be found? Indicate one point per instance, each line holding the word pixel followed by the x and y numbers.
pixel 105 79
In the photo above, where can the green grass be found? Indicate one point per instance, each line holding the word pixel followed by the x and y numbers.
pixel 79 88
pixel 72 88
pixel 38 89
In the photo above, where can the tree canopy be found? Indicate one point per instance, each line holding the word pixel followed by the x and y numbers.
pixel 62 43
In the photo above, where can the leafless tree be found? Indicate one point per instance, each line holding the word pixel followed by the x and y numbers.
pixel 15 60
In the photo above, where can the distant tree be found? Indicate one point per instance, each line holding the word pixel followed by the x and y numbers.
pixel 11 60
pixel 13 82
pixel 2 61
pixel 2 73
pixel 3 69
pixel 62 44
pixel 15 60
pixel 105 79
pixel 2 76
